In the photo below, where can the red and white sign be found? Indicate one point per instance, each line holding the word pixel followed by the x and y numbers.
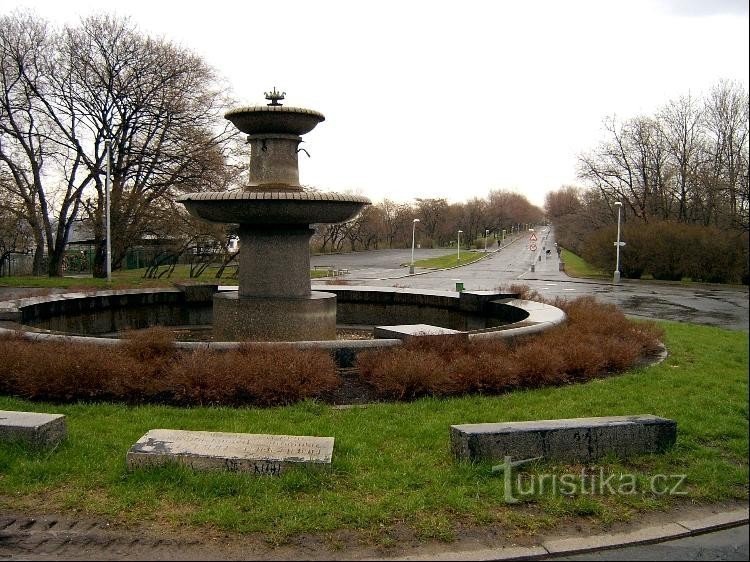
pixel 532 238
pixel 532 247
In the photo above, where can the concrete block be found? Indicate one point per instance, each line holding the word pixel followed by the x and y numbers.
pixel 39 430
pixel 203 292
pixel 406 331
pixel 575 440
pixel 235 452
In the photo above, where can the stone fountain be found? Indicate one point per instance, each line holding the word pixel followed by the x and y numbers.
pixel 274 301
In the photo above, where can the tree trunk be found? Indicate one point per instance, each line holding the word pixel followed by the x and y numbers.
pixel 100 260
pixel 38 267
pixel 55 262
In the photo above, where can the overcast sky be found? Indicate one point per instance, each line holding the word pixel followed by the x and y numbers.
pixel 449 99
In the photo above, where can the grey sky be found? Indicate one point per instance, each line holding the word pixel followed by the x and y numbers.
pixel 444 98
pixel 698 8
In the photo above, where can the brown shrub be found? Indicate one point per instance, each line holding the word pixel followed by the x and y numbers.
pixel 58 370
pixel 524 292
pixel 404 373
pixel 284 374
pixel 151 343
pixel 538 364
pixel 484 372
pixel 137 372
pixel 596 340
pixel 581 355
pixel 203 377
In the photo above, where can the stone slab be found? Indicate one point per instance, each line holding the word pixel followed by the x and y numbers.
pixel 235 452
pixel 577 440
pixel 37 429
pixel 405 331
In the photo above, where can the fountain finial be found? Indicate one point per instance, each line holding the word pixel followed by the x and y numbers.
pixel 274 97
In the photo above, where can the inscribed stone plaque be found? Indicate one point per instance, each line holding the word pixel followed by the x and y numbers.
pixel 38 429
pixel 236 452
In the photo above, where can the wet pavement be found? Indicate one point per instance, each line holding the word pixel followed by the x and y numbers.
pixel 715 305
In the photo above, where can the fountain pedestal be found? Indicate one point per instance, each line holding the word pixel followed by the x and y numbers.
pixel 274 301
pixel 238 318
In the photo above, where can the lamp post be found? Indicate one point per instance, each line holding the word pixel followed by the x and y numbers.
pixel 459 245
pixel 618 204
pixel 413 234
pixel 108 150
pixel 486 234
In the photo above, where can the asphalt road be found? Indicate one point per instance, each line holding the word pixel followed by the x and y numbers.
pixel 711 304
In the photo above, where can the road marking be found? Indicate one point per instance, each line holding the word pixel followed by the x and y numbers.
pixel 568 289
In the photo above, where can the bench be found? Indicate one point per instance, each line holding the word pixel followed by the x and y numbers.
pixel 576 439
pixel 31 428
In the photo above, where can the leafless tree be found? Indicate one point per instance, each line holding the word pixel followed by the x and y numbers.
pixel 25 143
pixel 103 80
pixel 726 123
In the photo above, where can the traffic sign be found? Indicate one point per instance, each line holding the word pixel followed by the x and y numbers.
pixel 619 243
pixel 533 237
pixel 532 247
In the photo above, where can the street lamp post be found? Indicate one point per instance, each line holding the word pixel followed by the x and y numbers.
pixel 413 234
pixel 618 204
pixel 108 228
pixel 486 234
pixel 459 245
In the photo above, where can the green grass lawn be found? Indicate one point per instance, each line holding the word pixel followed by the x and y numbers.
pixel 127 278
pixel 575 266
pixel 392 464
pixel 449 260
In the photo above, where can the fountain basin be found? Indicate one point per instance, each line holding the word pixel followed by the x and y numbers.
pixel 273 207
pixel 76 317
pixel 255 120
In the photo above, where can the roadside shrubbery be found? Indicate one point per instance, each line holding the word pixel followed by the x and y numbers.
pixel 596 340
pixel 671 251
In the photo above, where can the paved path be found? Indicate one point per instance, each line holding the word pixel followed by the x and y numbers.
pixel 729 544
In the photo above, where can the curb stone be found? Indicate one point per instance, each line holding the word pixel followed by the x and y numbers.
pixel 579 545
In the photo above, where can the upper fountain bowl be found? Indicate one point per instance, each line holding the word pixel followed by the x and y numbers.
pixel 279 119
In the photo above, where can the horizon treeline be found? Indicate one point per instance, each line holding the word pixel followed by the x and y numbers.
pixel 681 175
